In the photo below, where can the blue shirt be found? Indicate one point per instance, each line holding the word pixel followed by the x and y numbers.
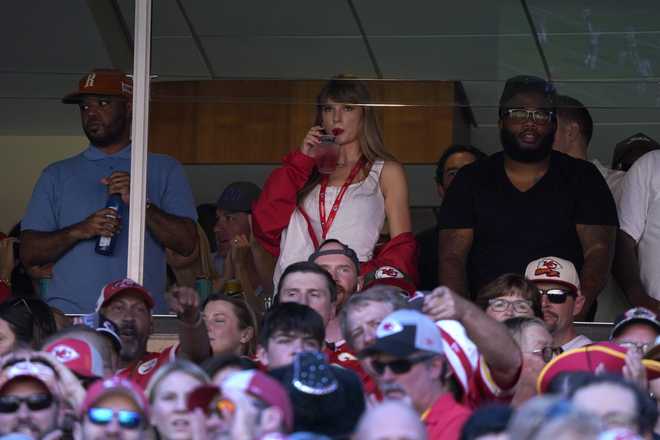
pixel 68 191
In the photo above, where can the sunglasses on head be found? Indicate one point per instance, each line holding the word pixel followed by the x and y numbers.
pixel 35 402
pixel 399 366
pixel 557 296
pixel 103 416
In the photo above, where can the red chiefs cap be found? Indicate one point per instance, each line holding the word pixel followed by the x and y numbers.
pixel 115 385
pixel 78 356
pixel 390 276
pixel 611 356
pixel 119 286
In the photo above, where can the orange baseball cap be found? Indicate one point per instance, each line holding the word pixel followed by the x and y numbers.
pixel 107 82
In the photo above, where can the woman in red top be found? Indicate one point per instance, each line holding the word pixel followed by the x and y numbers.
pixel 300 207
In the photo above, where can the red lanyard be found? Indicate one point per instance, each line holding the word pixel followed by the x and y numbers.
pixel 327 223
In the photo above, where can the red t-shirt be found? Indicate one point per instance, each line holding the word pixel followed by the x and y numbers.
pixel 445 419
pixel 142 370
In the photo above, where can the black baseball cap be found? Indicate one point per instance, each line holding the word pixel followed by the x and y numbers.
pixel 639 315
pixel 239 197
pixel 528 84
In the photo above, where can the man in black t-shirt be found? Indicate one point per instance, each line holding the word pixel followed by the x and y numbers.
pixel 526 202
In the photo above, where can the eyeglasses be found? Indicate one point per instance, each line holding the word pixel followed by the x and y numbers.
pixel 518 305
pixel 632 345
pixel 520 115
pixel 399 366
pixel 548 353
pixel 103 416
pixel 557 296
pixel 34 402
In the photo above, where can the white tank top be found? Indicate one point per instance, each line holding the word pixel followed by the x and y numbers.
pixel 358 222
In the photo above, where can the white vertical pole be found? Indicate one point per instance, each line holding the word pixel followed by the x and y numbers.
pixel 137 214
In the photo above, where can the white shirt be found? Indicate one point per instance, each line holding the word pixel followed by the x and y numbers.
pixel 576 342
pixel 639 217
pixel 614 178
pixel 358 222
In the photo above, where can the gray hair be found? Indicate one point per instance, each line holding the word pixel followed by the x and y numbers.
pixel 176 366
pixel 544 417
pixel 381 294
pixel 395 412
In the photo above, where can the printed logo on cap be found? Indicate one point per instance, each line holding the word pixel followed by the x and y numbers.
pixel 388 272
pixel 89 82
pixel 550 268
pixel 147 366
pixel 64 353
pixel 389 328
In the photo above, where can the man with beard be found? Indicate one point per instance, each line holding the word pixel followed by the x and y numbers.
pixel 561 299
pixel 128 305
pixel 526 202
pixel 408 362
pixel 66 214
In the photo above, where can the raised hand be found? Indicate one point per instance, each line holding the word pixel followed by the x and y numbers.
pixel 184 301
pixel 443 303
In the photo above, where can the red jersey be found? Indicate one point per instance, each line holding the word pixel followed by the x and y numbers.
pixel 339 354
pixel 143 369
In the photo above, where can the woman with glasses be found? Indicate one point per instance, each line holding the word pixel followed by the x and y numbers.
pixel 508 296
pixel 168 393
pixel 535 343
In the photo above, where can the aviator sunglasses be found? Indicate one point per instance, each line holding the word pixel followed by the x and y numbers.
pixel 557 296
pixel 126 419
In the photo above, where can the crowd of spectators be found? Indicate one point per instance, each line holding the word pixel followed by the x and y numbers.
pixel 309 310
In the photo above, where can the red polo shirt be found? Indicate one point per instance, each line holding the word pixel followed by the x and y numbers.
pixel 445 419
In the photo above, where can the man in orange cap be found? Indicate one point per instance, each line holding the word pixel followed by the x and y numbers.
pixel 66 214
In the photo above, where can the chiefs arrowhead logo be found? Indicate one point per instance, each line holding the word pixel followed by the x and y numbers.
pixel 146 367
pixel 64 353
pixel 388 272
pixel 549 267
pixel 388 328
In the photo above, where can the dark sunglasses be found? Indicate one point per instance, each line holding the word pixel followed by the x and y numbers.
pixel 521 115
pixel 35 402
pixel 126 419
pixel 399 366
pixel 557 296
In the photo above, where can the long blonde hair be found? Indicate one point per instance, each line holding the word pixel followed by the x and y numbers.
pixel 347 89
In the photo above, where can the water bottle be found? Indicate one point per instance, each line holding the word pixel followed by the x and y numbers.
pixel 106 245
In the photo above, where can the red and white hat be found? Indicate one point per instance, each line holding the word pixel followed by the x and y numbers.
pixel 115 385
pixel 36 369
pixel 119 286
pixel 404 332
pixel 263 387
pixel 553 270
pixel 78 356
pixel 461 353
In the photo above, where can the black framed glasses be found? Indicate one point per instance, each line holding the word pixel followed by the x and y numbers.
pixel 103 416
pixel 35 402
pixel 557 296
pixel 518 305
pixel 548 353
pixel 521 115
pixel 399 366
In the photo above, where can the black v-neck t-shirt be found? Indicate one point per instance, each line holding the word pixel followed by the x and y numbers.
pixel 512 227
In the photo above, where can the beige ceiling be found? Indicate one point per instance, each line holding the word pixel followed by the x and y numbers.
pixel 604 52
